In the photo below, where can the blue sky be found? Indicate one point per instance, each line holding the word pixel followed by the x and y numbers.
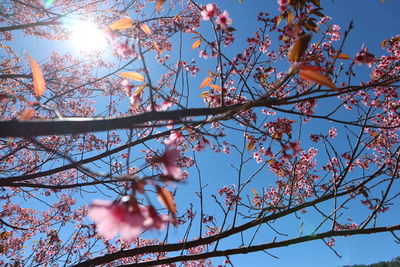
pixel 373 22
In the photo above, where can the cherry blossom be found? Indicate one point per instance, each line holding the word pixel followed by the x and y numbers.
pixel 208 12
pixel 223 20
pixel 332 132
pixel 118 217
pixel 364 57
pixel 169 159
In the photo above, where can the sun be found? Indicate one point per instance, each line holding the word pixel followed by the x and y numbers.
pixel 88 37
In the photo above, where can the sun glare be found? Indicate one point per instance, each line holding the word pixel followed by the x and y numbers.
pixel 88 37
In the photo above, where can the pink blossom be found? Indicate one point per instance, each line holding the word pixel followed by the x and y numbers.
pixel 331 242
pixel 282 5
pixel 155 220
pixel 208 12
pixel 364 57
pixel 114 218
pixel 168 159
pixel 314 138
pixel 124 51
pixel 332 132
pixel 223 20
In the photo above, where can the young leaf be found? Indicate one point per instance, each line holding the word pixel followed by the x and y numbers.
pixel 250 146
pixel 342 56
pixel 254 191
pixel 159 4
pixel 146 29
pixel 157 47
pixel 139 90
pixel 196 44
pixel 204 94
pixel 206 82
pixel 26 115
pixel 297 50
pixel 290 17
pixel 121 24
pixel 39 84
pixel 132 75
pixel 166 199
pixel 317 77
pixel 215 87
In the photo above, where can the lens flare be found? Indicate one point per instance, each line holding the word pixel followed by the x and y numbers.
pixel 88 37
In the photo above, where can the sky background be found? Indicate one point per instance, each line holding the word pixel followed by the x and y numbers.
pixel 373 22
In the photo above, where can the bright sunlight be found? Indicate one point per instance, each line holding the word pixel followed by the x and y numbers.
pixel 88 37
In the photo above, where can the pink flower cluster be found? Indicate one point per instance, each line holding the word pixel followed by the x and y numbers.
pixel 211 11
pixel 364 57
pixel 124 217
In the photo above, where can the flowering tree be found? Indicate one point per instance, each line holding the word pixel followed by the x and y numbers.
pixel 89 144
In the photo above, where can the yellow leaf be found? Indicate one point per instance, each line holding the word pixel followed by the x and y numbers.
pixel 374 134
pixel 254 191
pixel 215 87
pixel 297 50
pixel 146 29
pixel 280 18
pixel 39 84
pixel 204 94
pixel 121 24
pixel 159 4
pixel 156 47
pixel 196 44
pixel 166 199
pixel 139 90
pixel 132 75
pixel 206 82
pixel 317 77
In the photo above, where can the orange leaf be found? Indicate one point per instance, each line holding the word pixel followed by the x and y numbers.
pixel 39 84
pixel 342 56
pixel 297 50
pixel 196 44
pixel 26 115
pixel 121 24
pixel 166 199
pixel 254 191
pixel 139 90
pixel 193 32
pixel 146 29
pixel 204 94
pixel 132 75
pixel 290 17
pixel 159 4
pixel 156 47
pixel 317 77
pixel 215 87
pixel 250 146
pixel 206 82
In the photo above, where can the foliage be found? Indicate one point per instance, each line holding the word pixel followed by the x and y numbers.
pixel 127 160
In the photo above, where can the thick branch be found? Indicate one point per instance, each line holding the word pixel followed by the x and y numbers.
pixel 28 25
pixel 285 243
pixel 67 126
